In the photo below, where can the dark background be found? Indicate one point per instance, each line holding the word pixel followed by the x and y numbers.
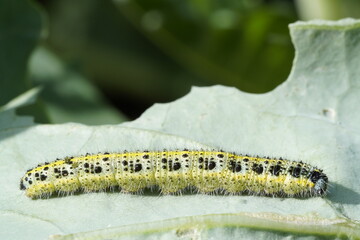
pixel 141 52
pixel 117 58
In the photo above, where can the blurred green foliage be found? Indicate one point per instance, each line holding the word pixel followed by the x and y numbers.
pixel 141 52
pixel 66 95
pixel 328 9
pixel 20 27
pixel 95 55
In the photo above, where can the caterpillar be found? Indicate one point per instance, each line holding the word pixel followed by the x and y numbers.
pixel 173 171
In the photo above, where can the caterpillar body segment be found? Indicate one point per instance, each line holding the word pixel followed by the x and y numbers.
pixel 173 171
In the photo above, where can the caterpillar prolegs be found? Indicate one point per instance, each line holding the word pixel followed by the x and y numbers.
pixel 173 171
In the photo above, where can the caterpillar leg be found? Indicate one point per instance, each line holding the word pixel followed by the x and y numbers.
pixel 173 184
pixel 208 183
pixel 41 190
pixel 67 185
pixel 131 183
pixel 234 183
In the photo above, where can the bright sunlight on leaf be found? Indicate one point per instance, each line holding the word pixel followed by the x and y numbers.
pixel 312 117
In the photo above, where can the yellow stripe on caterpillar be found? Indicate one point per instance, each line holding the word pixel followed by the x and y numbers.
pixel 173 171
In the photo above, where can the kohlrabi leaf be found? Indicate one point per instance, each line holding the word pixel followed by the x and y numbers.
pixel 68 96
pixel 20 27
pixel 312 117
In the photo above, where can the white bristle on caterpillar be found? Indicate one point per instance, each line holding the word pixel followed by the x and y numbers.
pixel 173 171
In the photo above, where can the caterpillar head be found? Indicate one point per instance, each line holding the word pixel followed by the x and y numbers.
pixel 22 186
pixel 321 181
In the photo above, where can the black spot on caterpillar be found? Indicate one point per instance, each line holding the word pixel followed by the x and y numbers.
pixel 173 171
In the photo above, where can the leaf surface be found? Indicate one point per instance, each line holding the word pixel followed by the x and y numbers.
pixel 312 117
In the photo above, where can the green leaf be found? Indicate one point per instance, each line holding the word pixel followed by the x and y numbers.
pixel 167 46
pixel 67 95
pixel 20 27
pixel 228 226
pixel 312 117
pixel 8 118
